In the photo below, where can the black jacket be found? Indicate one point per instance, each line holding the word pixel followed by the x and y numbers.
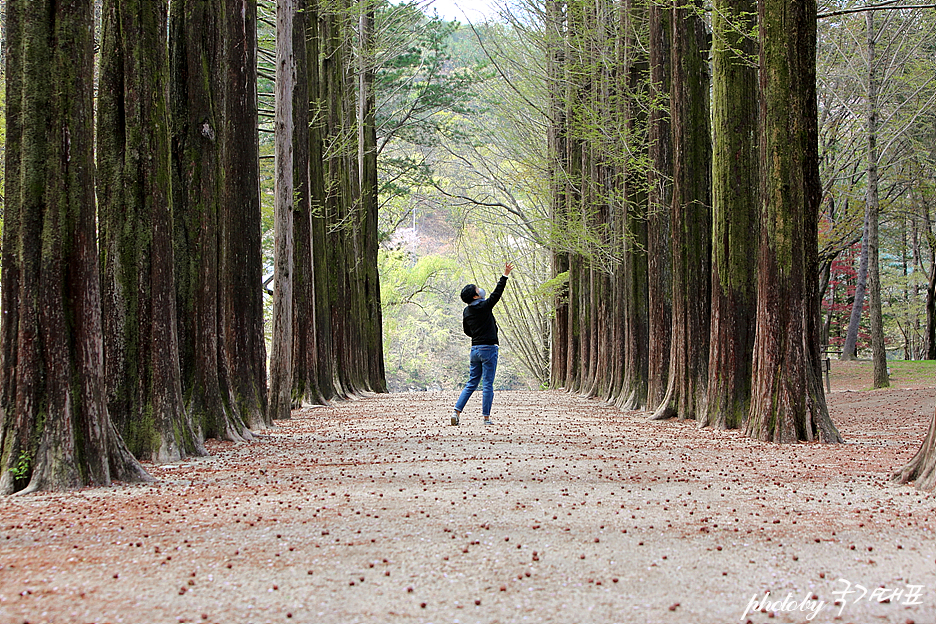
pixel 478 318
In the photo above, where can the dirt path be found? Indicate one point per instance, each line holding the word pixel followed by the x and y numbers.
pixel 566 511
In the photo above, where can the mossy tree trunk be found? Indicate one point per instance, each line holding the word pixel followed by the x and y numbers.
pixel 323 273
pixel 141 356
pixel 339 220
pixel 690 232
pixel 734 193
pixel 196 125
pixel 788 403
pixel 56 431
pixel 241 271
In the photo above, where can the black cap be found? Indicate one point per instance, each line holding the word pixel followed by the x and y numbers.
pixel 468 293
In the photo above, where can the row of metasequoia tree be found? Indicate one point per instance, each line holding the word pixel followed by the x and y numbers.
pixel 132 286
pixel 694 294
pixel 685 210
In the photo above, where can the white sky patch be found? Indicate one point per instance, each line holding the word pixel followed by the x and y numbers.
pixel 475 11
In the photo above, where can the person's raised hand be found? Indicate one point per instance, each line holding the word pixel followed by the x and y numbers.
pixel 508 268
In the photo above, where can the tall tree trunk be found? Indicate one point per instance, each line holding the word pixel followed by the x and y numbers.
pixel 305 354
pixel 734 191
pixel 557 164
pixel 787 402
pixel 372 329
pixel 244 348
pixel 922 468
pixel 322 268
pixel 141 355
pixel 659 252
pixel 878 351
pixel 691 234
pixel 338 196
pixel 196 99
pixel 281 363
pixel 634 303
pixel 930 337
pixel 56 431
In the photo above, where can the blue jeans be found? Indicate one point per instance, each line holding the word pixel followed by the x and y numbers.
pixel 483 365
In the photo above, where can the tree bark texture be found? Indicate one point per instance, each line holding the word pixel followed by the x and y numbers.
pixel 196 97
pixel 558 155
pixel 141 356
pixel 281 358
pixel 659 252
pixel 690 233
pixel 634 383
pixel 240 266
pixel 322 269
pixel 735 201
pixel 57 433
pixel 922 468
pixel 788 403
pixel 305 389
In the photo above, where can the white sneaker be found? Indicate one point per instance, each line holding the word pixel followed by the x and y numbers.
pixel 454 418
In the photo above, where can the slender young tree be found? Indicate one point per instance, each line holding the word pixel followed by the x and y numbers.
pixel 788 403
pixel 56 431
pixel 281 358
pixel 734 193
pixel 690 233
pixel 878 352
pixel 141 356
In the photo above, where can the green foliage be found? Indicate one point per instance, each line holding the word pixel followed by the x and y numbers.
pixel 21 468
pixel 422 95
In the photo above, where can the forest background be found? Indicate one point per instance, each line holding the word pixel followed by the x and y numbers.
pixel 463 165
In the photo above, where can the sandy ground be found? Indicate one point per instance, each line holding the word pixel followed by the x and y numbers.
pixel 567 510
